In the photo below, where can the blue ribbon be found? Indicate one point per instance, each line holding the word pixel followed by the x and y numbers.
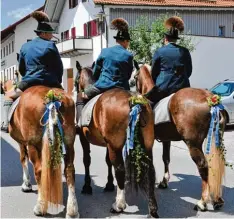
pixel 45 118
pixel 214 119
pixel 133 119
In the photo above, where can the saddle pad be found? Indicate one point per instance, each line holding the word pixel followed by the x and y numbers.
pixel 12 109
pixel 161 112
pixel 87 112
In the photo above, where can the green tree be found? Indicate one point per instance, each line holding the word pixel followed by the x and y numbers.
pixel 147 38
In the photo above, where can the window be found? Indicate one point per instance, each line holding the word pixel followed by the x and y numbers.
pixel 93 28
pixel 7 50
pixel 66 35
pixel 10 73
pixel 4 52
pixel 221 31
pixel 223 89
pixel 1 53
pixel 12 47
pixel 6 74
pixel 73 3
pixel 73 32
pixel 84 0
pixel 233 27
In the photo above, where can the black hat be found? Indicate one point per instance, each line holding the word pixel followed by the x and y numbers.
pixel 122 26
pixel 174 26
pixel 43 22
pixel 122 35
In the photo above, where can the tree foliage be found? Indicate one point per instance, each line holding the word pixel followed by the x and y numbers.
pixel 147 38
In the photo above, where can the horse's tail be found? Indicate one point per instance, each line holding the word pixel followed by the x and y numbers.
pixel 216 162
pixel 139 166
pixel 51 174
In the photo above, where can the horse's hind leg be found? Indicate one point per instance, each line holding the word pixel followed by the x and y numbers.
pixel 117 160
pixel 109 186
pixel 87 189
pixel 69 172
pixel 35 157
pixel 166 160
pixel 202 165
pixel 26 186
pixel 149 187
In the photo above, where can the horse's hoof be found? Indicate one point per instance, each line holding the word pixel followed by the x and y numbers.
pixel 200 207
pixel 76 216
pixel 87 190
pixel 218 204
pixel 154 214
pixel 163 185
pixel 109 187
pixel 114 211
pixel 26 187
pixel 37 210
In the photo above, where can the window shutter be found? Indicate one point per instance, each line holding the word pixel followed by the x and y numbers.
pixel 85 30
pixel 93 28
pixel 73 32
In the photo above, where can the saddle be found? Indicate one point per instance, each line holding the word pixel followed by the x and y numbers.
pixel 87 112
pixel 12 109
pixel 161 111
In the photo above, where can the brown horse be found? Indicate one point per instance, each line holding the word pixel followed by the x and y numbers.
pixel 41 143
pixel 190 116
pixel 107 128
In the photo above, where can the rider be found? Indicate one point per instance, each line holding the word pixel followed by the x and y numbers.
pixel 171 64
pixel 39 63
pixel 113 67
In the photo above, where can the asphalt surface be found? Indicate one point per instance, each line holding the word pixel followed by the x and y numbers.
pixel 176 201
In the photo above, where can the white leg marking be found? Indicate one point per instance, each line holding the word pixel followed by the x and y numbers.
pixel 72 206
pixel 39 206
pixel 120 202
pixel 26 186
pixel 202 205
pixel 167 176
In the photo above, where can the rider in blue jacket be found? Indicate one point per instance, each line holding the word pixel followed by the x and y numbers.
pixel 171 64
pixel 39 63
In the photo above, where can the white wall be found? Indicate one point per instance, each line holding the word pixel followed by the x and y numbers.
pixel 25 31
pixel 213 61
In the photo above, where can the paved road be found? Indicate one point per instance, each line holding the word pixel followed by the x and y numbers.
pixel 177 201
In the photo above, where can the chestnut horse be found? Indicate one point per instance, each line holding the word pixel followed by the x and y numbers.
pixel 190 116
pixel 41 143
pixel 108 126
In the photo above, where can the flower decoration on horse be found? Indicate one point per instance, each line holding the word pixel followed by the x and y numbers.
pixel 214 100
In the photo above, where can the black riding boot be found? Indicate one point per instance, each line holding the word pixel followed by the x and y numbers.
pixel 155 95
pixel 6 108
pixel 79 106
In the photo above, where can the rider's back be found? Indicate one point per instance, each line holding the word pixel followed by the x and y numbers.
pixel 116 68
pixel 40 61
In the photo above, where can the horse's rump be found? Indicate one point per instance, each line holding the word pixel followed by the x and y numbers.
pixel 30 110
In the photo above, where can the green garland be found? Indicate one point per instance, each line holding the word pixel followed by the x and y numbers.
pixel 138 100
pixel 213 101
pixel 138 156
pixel 56 156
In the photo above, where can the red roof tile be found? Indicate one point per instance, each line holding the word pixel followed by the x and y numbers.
pixel 185 3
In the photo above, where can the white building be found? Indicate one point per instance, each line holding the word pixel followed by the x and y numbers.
pixel 211 22
pixel 12 38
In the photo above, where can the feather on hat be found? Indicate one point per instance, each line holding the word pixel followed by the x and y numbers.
pixel 175 22
pixel 119 24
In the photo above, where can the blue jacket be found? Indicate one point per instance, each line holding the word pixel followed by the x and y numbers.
pixel 113 68
pixel 40 62
pixel 171 68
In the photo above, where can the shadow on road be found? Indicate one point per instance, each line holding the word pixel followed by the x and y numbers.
pixel 11 168
pixel 229 128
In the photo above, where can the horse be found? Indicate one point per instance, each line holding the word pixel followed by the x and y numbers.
pixel 107 128
pixel 35 127
pixel 190 116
